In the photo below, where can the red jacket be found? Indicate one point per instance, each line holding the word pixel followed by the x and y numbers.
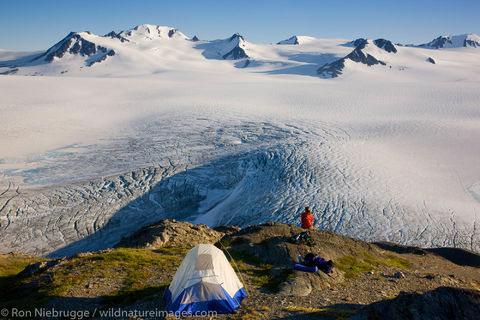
pixel 307 220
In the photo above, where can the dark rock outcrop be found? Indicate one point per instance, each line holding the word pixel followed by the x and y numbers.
pixel 108 53
pixel 237 52
pixel 171 233
pixel 443 303
pixel 471 43
pixel 429 59
pixel 357 42
pixel 334 69
pixel 73 43
pixel 195 39
pixel 291 40
pixel 115 35
pixel 466 40
pixel 360 42
pixel 172 32
pixel 36 267
pixel 436 43
pixel 385 45
pixel 358 55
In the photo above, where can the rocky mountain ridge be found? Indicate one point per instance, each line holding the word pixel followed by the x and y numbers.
pixel 79 51
pixel 369 280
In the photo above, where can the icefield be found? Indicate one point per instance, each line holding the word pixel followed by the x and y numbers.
pixel 380 153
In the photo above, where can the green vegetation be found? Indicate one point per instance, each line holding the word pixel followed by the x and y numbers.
pixel 11 265
pixel 229 242
pixel 337 314
pixel 353 266
pixel 389 261
pixel 260 272
pixel 368 258
pixel 395 262
pixel 133 273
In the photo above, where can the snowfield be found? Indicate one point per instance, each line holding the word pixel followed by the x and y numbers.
pixel 90 155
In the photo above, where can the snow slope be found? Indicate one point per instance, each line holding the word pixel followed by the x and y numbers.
pixel 457 41
pixel 383 152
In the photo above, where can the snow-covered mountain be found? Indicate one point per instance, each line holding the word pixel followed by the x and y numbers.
pixel 233 48
pixel 457 41
pixel 359 55
pixel 297 40
pixel 150 49
pixel 150 33
pixel 79 50
pixel 74 45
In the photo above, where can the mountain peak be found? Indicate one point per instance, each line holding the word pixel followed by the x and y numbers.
pixel 76 43
pixel 73 43
pixel 237 36
pixel 115 35
pixel 151 32
pixel 386 45
pixel 455 41
pixel 235 49
pixel 335 68
pixel 295 40
pixel 291 40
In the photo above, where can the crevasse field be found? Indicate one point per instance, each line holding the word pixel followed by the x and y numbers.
pixel 166 128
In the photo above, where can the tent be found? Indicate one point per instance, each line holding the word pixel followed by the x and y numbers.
pixel 205 281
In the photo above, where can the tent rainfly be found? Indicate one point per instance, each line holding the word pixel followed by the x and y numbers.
pixel 205 281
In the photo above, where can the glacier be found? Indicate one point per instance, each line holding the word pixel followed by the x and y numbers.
pixel 381 153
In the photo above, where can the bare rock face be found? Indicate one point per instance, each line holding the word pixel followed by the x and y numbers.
pixel 300 286
pixel 170 232
pixel 386 45
pixel 443 303
pixel 335 68
pixel 38 266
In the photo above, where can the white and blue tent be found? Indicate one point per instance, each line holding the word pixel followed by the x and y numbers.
pixel 205 281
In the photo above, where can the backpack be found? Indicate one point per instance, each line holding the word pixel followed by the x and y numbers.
pixel 312 259
pixel 303 238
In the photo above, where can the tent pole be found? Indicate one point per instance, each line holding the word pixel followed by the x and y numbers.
pixel 235 264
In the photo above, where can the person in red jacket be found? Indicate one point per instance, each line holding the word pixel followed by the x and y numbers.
pixel 307 218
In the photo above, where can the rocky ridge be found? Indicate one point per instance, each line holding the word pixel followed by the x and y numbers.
pixel 381 280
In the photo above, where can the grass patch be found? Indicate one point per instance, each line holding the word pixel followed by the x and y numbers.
pixel 230 242
pixel 368 258
pixel 337 314
pixel 395 262
pixel 134 269
pixel 260 272
pixel 390 261
pixel 352 266
pixel 245 256
pixel 11 265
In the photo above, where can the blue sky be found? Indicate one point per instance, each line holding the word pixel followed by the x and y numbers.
pixel 38 24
